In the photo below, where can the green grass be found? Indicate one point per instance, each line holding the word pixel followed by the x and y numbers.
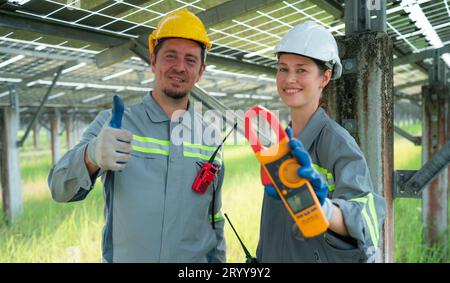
pixel 242 200
pixel 54 232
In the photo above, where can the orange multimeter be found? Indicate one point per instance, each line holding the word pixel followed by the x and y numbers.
pixel 279 167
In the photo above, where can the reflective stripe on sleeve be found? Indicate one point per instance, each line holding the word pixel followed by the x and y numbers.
pixel 372 220
pixel 326 176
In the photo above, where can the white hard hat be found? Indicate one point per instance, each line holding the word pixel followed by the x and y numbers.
pixel 314 41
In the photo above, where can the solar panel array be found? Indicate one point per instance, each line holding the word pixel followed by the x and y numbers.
pixel 248 37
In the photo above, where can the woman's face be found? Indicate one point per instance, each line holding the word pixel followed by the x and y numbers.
pixel 299 81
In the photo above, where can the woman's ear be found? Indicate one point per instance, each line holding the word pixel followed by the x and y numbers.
pixel 326 77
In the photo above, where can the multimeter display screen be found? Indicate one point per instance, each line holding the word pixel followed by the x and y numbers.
pixel 302 199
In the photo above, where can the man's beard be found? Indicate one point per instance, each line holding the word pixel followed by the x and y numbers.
pixel 174 95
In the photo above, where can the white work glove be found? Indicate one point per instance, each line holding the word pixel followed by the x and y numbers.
pixel 111 149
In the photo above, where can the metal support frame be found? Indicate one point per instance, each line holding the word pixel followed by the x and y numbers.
pixel 48 73
pixel 417 57
pixel 210 17
pixel 408 136
pixel 437 73
pixel 114 55
pixel 33 24
pixel 411 183
pixel 410 84
pixel 230 10
pixel 358 16
pixel 41 106
pixel 435 126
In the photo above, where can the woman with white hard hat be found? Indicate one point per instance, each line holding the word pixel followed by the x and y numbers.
pixel 329 157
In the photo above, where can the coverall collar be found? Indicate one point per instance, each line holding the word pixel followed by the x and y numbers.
pixel 313 128
pixel 157 115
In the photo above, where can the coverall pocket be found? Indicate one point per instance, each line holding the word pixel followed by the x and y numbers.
pixel 339 250
pixel 337 243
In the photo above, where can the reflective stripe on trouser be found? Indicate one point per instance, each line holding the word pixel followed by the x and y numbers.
pixel 370 217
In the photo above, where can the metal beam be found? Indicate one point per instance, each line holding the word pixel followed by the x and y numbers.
pixel 38 112
pixel 260 69
pixel 33 24
pixel 337 11
pixel 213 16
pixel 114 55
pixel 140 46
pixel 48 73
pixel 57 54
pixel 421 66
pixel 118 9
pixel 417 57
pixel 410 183
pixel 231 9
pixel 410 84
pixel 412 97
pixel 408 136
pixel 331 7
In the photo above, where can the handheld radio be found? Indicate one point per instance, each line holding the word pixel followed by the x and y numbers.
pixel 279 168
pixel 208 170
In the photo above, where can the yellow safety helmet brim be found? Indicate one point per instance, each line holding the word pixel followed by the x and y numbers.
pixel 180 24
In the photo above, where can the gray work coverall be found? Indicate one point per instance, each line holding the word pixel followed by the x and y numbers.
pixel 152 213
pixel 335 154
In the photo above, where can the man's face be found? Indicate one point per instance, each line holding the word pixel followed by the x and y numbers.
pixel 177 67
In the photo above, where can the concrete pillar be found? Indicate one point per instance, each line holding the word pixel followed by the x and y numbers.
pixel 55 122
pixel 9 162
pixel 70 133
pixel 435 195
pixel 36 135
pixel 78 129
pixel 362 102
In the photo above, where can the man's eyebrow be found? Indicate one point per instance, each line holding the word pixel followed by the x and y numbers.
pixel 186 55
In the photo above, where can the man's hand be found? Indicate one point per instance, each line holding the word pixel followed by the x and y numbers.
pixel 111 149
pixel 306 170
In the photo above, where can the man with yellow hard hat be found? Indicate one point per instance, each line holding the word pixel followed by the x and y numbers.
pixel 152 212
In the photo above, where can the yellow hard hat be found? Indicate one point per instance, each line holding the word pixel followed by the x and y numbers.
pixel 180 23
